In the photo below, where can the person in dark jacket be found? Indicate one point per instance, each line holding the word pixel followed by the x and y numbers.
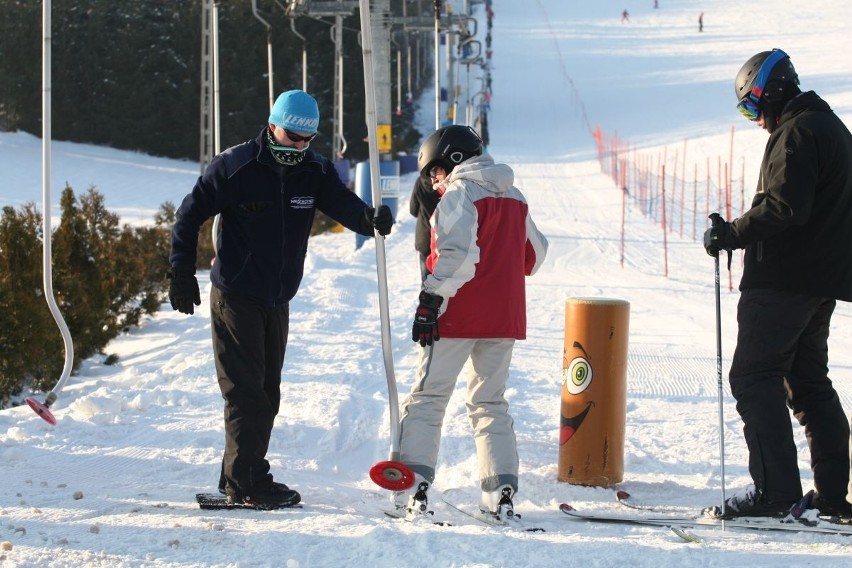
pixel 266 191
pixel 422 204
pixel 798 263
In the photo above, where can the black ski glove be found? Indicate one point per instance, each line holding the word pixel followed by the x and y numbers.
pixel 380 219
pixel 183 289
pixel 425 330
pixel 718 237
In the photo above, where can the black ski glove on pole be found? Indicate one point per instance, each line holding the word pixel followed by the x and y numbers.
pixel 425 329
pixel 383 220
pixel 718 237
pixel 183 289
pixel 380 219
pixel 714 237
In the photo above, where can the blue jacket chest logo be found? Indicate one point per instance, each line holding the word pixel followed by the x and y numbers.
pixel 303 202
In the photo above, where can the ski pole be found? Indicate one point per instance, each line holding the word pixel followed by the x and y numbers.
pixel 717 221
pixel 43 409
pixel 389 474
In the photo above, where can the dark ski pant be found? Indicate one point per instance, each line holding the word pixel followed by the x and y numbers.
pixel 781 361
pixel 249 341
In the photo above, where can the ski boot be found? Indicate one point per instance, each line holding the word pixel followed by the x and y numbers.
pixel 409 505
pixel 497 505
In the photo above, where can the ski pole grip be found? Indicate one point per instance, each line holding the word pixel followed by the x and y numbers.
pixel 716 220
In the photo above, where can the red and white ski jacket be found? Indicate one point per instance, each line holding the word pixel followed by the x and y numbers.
pixel 484 243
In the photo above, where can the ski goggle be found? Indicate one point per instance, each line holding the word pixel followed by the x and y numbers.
pixel 298 138
pixel 748 108
pixel 749 105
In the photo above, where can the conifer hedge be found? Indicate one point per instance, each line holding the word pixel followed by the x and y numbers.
pixel 106 278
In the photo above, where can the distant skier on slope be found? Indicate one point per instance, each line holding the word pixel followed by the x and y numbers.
pixel 798 262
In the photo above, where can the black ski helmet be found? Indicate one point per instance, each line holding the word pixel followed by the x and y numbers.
pixel 448 147
pixel 769 80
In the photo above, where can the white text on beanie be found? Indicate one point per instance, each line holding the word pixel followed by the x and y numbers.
pixel 297 111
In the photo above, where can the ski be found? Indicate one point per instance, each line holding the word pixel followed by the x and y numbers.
pixel 380 501
pixel 213 501
pixel 787 524
pixel 686 535
pixel 626 499
pixel 513 522
pixel 425 517
pixel 802 511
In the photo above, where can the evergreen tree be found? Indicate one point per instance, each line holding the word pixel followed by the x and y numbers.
pixel 75 273
pixel 128 74
pixel 26 337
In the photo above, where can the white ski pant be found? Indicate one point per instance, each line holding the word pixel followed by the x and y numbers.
pixel 493 429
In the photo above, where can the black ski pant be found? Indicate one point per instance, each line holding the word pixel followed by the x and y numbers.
pixel 781 361
pixel 249 341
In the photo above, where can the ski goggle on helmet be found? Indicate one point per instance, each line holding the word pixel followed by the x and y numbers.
pixel 749 105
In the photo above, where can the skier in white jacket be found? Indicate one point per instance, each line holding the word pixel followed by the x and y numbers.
pixel 484 244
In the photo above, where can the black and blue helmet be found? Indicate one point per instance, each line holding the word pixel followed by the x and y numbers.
pixel 765 83
pixel 448 147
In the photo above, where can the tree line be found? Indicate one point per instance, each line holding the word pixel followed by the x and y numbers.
pixel 128 74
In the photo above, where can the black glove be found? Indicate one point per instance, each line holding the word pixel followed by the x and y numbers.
pixel 183 290
pixel 425 329
pixel 380 219
pixel 718 236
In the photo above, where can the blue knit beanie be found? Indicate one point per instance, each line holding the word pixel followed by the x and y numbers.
pixel 297 111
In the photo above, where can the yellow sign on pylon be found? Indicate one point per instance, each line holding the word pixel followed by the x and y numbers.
pixel 383 132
